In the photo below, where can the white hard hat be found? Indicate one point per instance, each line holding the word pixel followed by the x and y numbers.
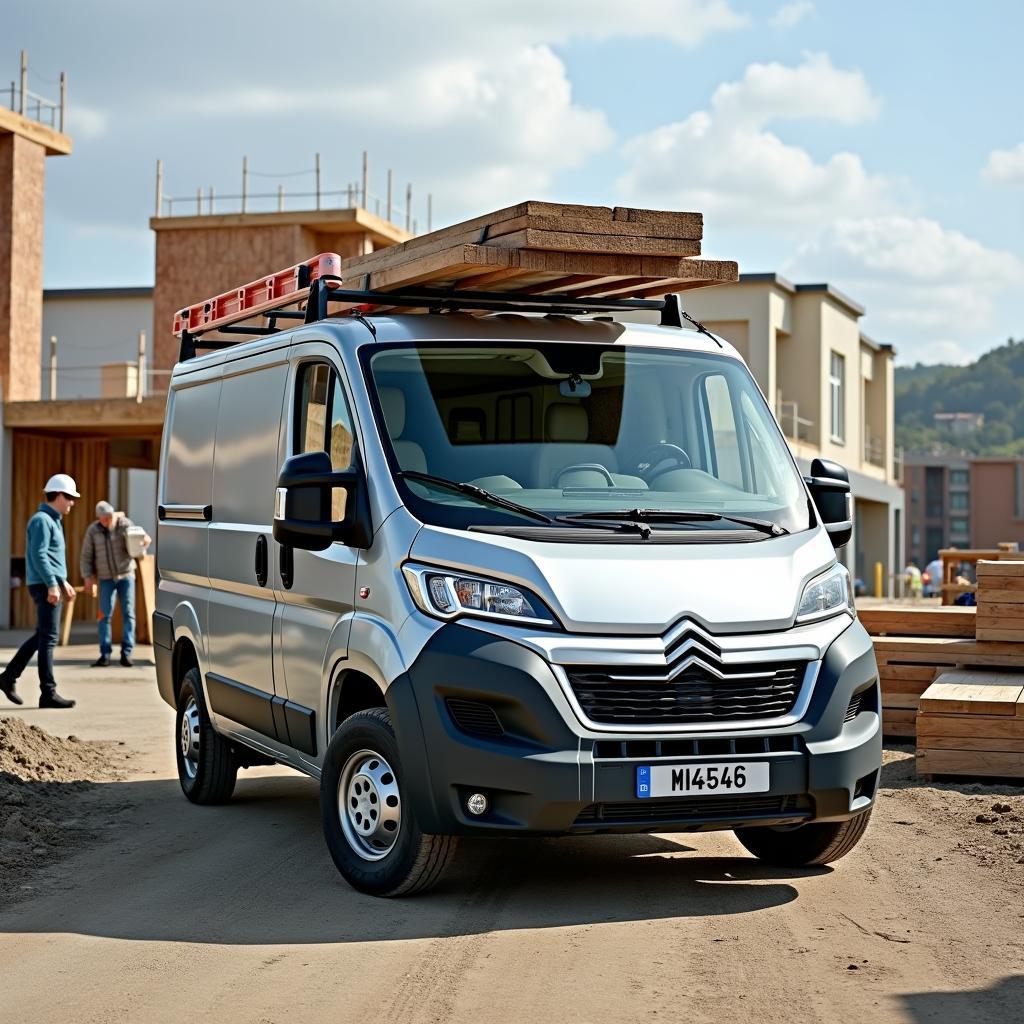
pixel 63 483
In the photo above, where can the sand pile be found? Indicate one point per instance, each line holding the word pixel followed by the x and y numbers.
pixel 45 784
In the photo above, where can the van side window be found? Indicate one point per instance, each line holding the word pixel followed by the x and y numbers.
pixel 323 422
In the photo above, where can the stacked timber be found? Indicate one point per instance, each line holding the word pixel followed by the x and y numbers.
pixel 972 723
pixel 907 665
pixel 1000 597
pixel 568 249
pixel 902 675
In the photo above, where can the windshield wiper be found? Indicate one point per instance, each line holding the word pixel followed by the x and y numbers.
pixel 487 497
pixel 657 515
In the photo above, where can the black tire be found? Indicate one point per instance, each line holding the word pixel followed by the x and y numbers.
pixel 208 776
pixel 401 862
pixel 809 845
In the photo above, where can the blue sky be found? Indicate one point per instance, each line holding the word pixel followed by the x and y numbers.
pixel 878 146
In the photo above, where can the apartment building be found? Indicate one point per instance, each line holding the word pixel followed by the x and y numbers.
pixel 832 391
pixel 961 501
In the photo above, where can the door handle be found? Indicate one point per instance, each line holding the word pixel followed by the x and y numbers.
pixel 262 560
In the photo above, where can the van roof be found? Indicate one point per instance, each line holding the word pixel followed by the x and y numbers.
pixel 388 328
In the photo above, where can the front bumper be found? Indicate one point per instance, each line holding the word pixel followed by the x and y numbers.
pixel 544 772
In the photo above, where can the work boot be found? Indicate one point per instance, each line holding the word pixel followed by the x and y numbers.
pixel 126 661
pixel 55 700
pixel 101 662
pixel 7 689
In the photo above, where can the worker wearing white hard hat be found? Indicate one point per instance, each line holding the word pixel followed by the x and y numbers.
pixel 46 569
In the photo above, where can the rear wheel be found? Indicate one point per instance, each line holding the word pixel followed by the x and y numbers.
pixel 817 843
pixel 370 830
pixel 207 768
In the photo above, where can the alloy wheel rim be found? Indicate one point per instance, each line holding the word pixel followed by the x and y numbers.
pixel 369 805
pixel 188 738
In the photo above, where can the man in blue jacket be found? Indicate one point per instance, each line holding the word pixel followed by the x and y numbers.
pixel 46 568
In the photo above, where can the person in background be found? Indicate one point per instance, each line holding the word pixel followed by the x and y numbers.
pixel 912 575
pixel 933 578
pixel 105 560
pixel 46 569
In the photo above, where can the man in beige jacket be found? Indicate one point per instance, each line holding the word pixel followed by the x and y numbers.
pixel 105 560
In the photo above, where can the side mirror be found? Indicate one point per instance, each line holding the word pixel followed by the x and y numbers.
pixel 829 484
pixel 304 503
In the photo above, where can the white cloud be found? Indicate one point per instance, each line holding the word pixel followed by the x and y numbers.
pixel 929 290
pixel 813 89
pixel 725 163
pixel 1005 166
pixel 792 14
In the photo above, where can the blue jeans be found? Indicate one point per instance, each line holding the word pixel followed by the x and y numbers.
pixel 41 642
pixel 125 590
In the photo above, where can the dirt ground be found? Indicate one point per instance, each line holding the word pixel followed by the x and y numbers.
pixel 133 905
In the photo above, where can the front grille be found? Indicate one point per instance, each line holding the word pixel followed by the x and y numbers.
pixel 681 809
pixel 695 694
pixel 698 746
pixel 474 717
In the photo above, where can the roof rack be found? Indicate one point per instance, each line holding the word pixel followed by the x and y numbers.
pixel 317 283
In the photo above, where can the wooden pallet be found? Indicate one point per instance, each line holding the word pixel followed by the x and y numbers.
pixel 972 723
pixel 550 247
pixel 1000 600
pixel 908 665
pixel 931 620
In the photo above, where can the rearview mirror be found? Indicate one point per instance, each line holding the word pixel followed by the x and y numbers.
pixel 303 516
pixel 829 484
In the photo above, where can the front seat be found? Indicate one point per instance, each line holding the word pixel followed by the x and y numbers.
pixel 409 454
pixel 566 428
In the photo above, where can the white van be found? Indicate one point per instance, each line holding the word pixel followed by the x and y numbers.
pixel 512 574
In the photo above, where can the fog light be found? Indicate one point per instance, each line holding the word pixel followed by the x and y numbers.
pixel 477 804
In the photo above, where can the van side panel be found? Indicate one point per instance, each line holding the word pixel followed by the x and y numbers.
pixel 241 613
pixel 186 487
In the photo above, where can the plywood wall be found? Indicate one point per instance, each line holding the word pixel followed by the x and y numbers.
pixel 35 460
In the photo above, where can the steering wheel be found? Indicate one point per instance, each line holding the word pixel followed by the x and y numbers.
pixel 657 454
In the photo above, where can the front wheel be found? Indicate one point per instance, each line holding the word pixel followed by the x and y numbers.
pixel 808 845
pixel 370 831
pixel 207 768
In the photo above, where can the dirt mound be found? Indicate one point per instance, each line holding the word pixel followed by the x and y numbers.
pixel 45 784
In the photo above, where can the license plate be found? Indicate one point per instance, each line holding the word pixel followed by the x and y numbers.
pixel 701 779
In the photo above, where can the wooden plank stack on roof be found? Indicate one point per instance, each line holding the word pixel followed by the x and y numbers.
pixel 1000 596
pixel 972 723
pixel 568 249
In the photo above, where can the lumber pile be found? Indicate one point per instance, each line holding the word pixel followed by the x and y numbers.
pixel 572 250
pixel 922 620
pixel 972 723
pixel 1000 597
pixel 908 665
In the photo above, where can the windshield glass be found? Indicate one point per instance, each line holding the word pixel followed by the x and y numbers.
pixel 566 429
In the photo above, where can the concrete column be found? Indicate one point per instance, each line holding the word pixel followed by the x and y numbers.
pixel 22 177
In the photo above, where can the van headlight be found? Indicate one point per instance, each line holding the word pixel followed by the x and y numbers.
pixel 447 595
pixel 827 594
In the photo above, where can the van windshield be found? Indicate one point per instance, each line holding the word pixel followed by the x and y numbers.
pixel 568 429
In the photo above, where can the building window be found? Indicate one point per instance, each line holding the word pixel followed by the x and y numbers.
pixel 958 527
pixel 837 390
pixel 959 501
pixel 959 478
pixel 915 496
pixel 915 537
